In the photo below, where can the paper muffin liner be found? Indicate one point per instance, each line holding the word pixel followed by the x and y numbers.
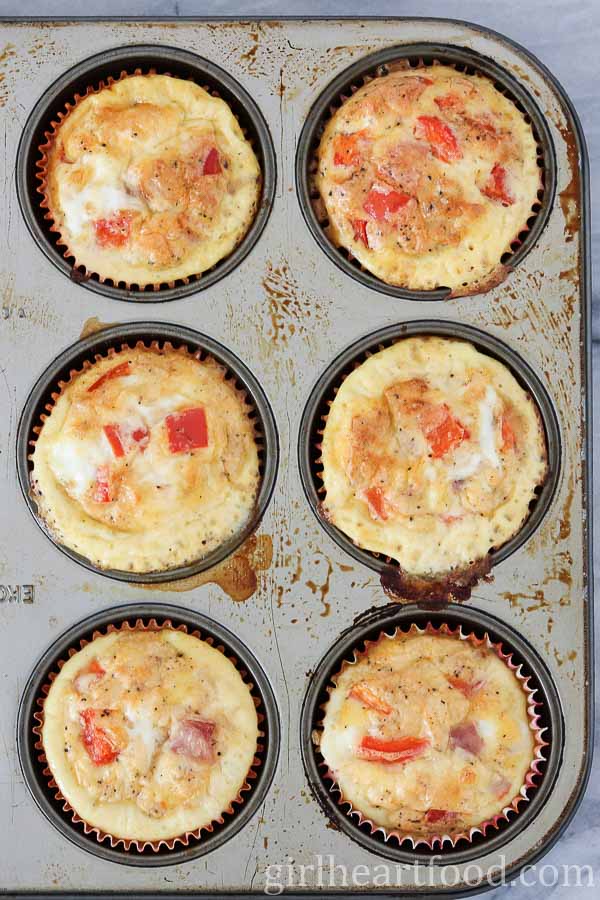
pixel 446 839
pixel 80 271
pixel 152 346
pixel 502 269
pixel 454 585
pixel 131 844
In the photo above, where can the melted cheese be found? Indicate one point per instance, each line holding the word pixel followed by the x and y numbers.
pixel 434 512
pixel 127 187
pixel 412 675
pixel 446 230
pixel 151 682
pixel 166 508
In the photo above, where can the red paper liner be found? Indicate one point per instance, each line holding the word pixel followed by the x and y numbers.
pixel 443 839
pixel 453 586
pixel 154 346
pixel 82 273
pixel 130 844
pixel 500 271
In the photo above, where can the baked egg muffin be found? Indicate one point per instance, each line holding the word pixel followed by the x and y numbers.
pixel 149 735
pixel 431 455
pixel 147 460
pixel 150 180
pixel 427 734
pixel 427 176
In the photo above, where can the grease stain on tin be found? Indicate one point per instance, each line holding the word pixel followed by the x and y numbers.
pixel 237 576
pixel 93 325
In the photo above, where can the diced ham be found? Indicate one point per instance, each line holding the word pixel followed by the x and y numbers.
pixel 439 815
pixel 467 738
pixel 194 738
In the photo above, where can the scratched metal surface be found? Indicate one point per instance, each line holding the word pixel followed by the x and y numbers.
pixel 286 311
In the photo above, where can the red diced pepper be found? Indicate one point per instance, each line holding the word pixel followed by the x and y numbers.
pixel 345 149
pixel 383 750
pixel 360 231
pixel 367 697
pixel 100 748
pixel 187 430
pixel 449 101
pixel 508 436
pixel 113 232
pixel 212 163
pixel 375 498
pixel 114 439
pixel 117 372
pixel 440 138
pixel 445 435
pixel 380 205
pixel 496 187
pixel 101 492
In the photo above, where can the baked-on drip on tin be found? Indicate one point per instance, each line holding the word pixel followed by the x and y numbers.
pixel 430 454
pixel 148 180
pixel 148 457
pixel 149 734
pixel 431 736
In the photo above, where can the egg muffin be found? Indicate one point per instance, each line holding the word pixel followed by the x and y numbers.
pixel 149 735
pixel 428 734
pixel 150 180
pixel 431 455
pixel 147 460
pixel 427 176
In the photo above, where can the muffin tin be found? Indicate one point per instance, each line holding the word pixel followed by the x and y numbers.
pixel 292 310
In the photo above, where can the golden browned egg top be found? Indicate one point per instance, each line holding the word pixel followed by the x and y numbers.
pixel 427 176
pixel 432 452
pixel 149 734
pixel 428 734
pixel 147 460
pixel 151 180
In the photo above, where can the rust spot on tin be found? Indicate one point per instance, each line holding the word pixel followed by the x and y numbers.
pixel 93 325
pixel 237 576
pixel 322 590
pixel 538 597
pixel 569 197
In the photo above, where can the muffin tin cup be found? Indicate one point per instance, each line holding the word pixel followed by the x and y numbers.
pixel 39 778
pixel 545 719
pixel 456 585
pixel 412 56
pixel 87 78
pixel 104 343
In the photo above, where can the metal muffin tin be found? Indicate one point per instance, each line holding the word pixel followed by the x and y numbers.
pixel 90 73
pixel 325 389
pixel 33 769
pixel 387 620
pixel 463 60
pixel 73 358
pixel 288 312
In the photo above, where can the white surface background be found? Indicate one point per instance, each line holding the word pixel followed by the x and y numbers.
pixel 564 35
